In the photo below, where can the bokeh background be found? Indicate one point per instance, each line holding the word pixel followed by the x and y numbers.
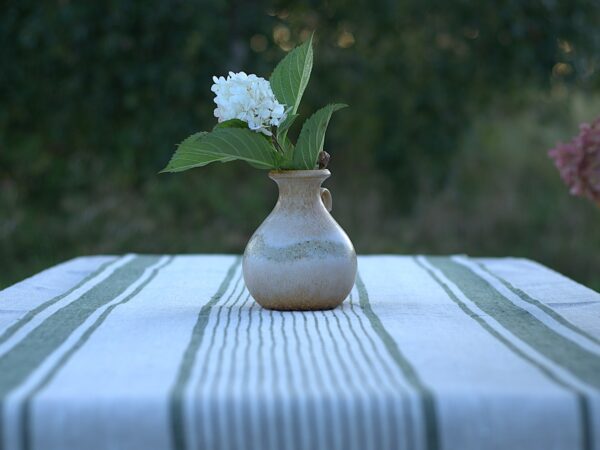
pixel 444 150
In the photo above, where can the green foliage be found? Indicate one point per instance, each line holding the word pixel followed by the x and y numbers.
pixel 281 135
pixel 232 123
pixel 288 81
pixel 223 145
pixel 94 94
pixel 181 161
pixel 312 137
pixel 418 71
pixel 188 157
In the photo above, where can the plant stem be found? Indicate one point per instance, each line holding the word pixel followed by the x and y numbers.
pixel 276 143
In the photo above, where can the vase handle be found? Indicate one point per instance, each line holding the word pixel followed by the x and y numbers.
pixel 326 199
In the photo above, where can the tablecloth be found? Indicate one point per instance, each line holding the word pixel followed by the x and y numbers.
pixel 171 352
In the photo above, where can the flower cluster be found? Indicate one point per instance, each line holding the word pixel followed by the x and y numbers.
pixel 578 161
pixel 248 98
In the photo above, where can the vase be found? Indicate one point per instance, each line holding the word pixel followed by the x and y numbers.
pixel 300 258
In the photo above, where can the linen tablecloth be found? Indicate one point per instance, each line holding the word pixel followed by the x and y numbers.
pixel 171 352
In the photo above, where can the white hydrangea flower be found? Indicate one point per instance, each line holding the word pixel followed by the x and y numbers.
pixel 248 98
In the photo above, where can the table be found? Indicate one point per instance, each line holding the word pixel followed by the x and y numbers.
pixel 171 352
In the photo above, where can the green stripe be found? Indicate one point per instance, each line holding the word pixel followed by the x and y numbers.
pixel 31 314
pixel 249 412
pixel 382 360
pixel 215 328
pixel 260 358
pixel 259 351
pixel 294 412
pixel 276 381
pixel 351 380
pixel 18 363
pixel 188 360
pixel 221 358
pixel 361 348
pixel 213 336
pixel 428 404
pixel 405 401
pixel 332 375
pixel 28 354
pixel 580 362
pixel 583 404
pixel 224 331
pixel 372 373
pixel 334 378
pixel 525 297
pixel 315 368
pixel 26 418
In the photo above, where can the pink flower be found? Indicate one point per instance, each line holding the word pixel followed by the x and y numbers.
pixel 578 161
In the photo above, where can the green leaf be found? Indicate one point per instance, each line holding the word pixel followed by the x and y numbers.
pixel 288 147
pixel 288 154
pixel 231 123
pixel 290 77
pixel 201 160
pixel 285 126
pixel 237 123
pixel 224 145
pixel 311 139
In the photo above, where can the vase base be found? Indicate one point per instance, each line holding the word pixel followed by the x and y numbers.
pixel 300 305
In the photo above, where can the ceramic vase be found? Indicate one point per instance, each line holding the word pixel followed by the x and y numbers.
pixel 300 258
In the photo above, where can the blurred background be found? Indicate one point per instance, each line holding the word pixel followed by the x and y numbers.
pixel 444 150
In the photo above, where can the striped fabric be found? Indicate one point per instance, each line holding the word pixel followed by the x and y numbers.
pixel 171 352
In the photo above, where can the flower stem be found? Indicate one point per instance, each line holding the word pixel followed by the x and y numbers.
pixel 276 144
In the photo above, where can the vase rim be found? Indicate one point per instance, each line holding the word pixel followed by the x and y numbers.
pixel 316 173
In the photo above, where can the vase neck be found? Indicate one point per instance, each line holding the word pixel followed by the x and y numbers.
pixel 299 189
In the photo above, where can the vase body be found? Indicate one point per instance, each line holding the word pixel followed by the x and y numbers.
pixel 300 258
